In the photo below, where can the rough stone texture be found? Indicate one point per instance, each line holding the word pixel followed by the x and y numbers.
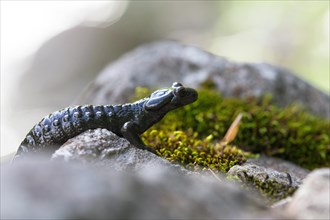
pixel 280 165
pixel 312 199
pixel 159 64
pixel 57 190
pixel 278 183
pixel 106 150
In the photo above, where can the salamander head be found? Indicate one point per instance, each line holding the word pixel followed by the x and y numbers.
pixel 165 100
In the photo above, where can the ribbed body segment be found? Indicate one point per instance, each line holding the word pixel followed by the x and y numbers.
pixel 56 128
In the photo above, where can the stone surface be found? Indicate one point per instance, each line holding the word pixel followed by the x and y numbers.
pixel 276 185
pixel 106 150
pixel 312 199
pixel 159 64
pixel 57 190
pixel 280 165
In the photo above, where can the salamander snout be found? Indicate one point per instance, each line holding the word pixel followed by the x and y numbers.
pixel 183 95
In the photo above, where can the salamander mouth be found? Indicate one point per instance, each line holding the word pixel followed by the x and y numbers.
pixel 193 95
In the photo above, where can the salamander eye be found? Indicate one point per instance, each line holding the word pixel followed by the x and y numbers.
pixel 180 91
pixel 176 84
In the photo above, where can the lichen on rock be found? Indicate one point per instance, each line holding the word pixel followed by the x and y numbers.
pixel 272 185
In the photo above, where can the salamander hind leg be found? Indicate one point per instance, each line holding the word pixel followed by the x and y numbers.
pixel 129 131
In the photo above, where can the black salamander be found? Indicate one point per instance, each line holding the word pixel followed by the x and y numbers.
pixel 127 120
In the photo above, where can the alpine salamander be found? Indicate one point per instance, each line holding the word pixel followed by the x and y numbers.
pixel 127 120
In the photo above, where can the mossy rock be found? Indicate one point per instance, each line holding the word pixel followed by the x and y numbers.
pixel 191 135
pixel 270 190
pixel 271 184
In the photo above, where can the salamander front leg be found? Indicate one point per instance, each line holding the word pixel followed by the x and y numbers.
pixel 129 131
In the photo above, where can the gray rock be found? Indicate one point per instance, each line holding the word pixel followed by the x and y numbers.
pixel 159 64
pixel 273 184
pixel 106 150
pixel 57 190
pixel 312 199
pixel 280 165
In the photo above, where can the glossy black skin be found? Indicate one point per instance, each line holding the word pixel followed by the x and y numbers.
pixel 128 120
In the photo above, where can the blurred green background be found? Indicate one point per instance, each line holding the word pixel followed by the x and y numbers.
pixel 292 34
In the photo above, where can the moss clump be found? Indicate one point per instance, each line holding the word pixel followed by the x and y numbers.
pixel 290 133
pixel 194 153
pixel 270 189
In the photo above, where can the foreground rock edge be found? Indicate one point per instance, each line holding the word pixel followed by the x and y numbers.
pixel 39 190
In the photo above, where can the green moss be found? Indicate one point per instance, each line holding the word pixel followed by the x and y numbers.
pixel 184 147
pixel 270 190
pixel 189 135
